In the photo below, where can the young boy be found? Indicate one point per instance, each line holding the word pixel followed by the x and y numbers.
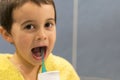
pixel 30 25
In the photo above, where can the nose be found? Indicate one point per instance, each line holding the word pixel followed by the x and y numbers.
pixel 41 35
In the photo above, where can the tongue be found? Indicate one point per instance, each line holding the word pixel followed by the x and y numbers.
pixel 36 52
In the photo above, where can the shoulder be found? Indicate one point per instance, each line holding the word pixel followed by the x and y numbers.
pixel 4 60
pixel 4 65
pixel 58 61
pixel 61 62
pixel 67 71
pixel 7 70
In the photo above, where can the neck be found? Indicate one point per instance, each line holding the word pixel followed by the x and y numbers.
pixel 27 70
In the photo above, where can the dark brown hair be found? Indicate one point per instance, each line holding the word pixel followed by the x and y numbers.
pixel 7 7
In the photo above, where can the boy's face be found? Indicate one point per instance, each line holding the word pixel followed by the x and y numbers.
pixel 33 27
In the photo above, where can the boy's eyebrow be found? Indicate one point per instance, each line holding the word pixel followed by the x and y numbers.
pixel 27 21
pixel 51 19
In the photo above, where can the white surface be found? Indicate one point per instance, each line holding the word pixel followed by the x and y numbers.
pixel 53 75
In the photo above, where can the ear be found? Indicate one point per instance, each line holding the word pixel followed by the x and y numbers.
pixel 6 35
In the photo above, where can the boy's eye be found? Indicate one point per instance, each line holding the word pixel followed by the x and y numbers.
pixel 29 27
pixel 48 25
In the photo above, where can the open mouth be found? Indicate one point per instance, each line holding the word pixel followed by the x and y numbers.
pixel 38 52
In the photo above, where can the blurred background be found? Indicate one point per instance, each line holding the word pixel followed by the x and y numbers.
pixel 98 37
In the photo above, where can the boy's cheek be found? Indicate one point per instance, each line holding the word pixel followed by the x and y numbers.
pixel 23 41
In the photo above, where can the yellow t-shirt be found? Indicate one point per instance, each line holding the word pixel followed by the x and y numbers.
pixel 9 72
